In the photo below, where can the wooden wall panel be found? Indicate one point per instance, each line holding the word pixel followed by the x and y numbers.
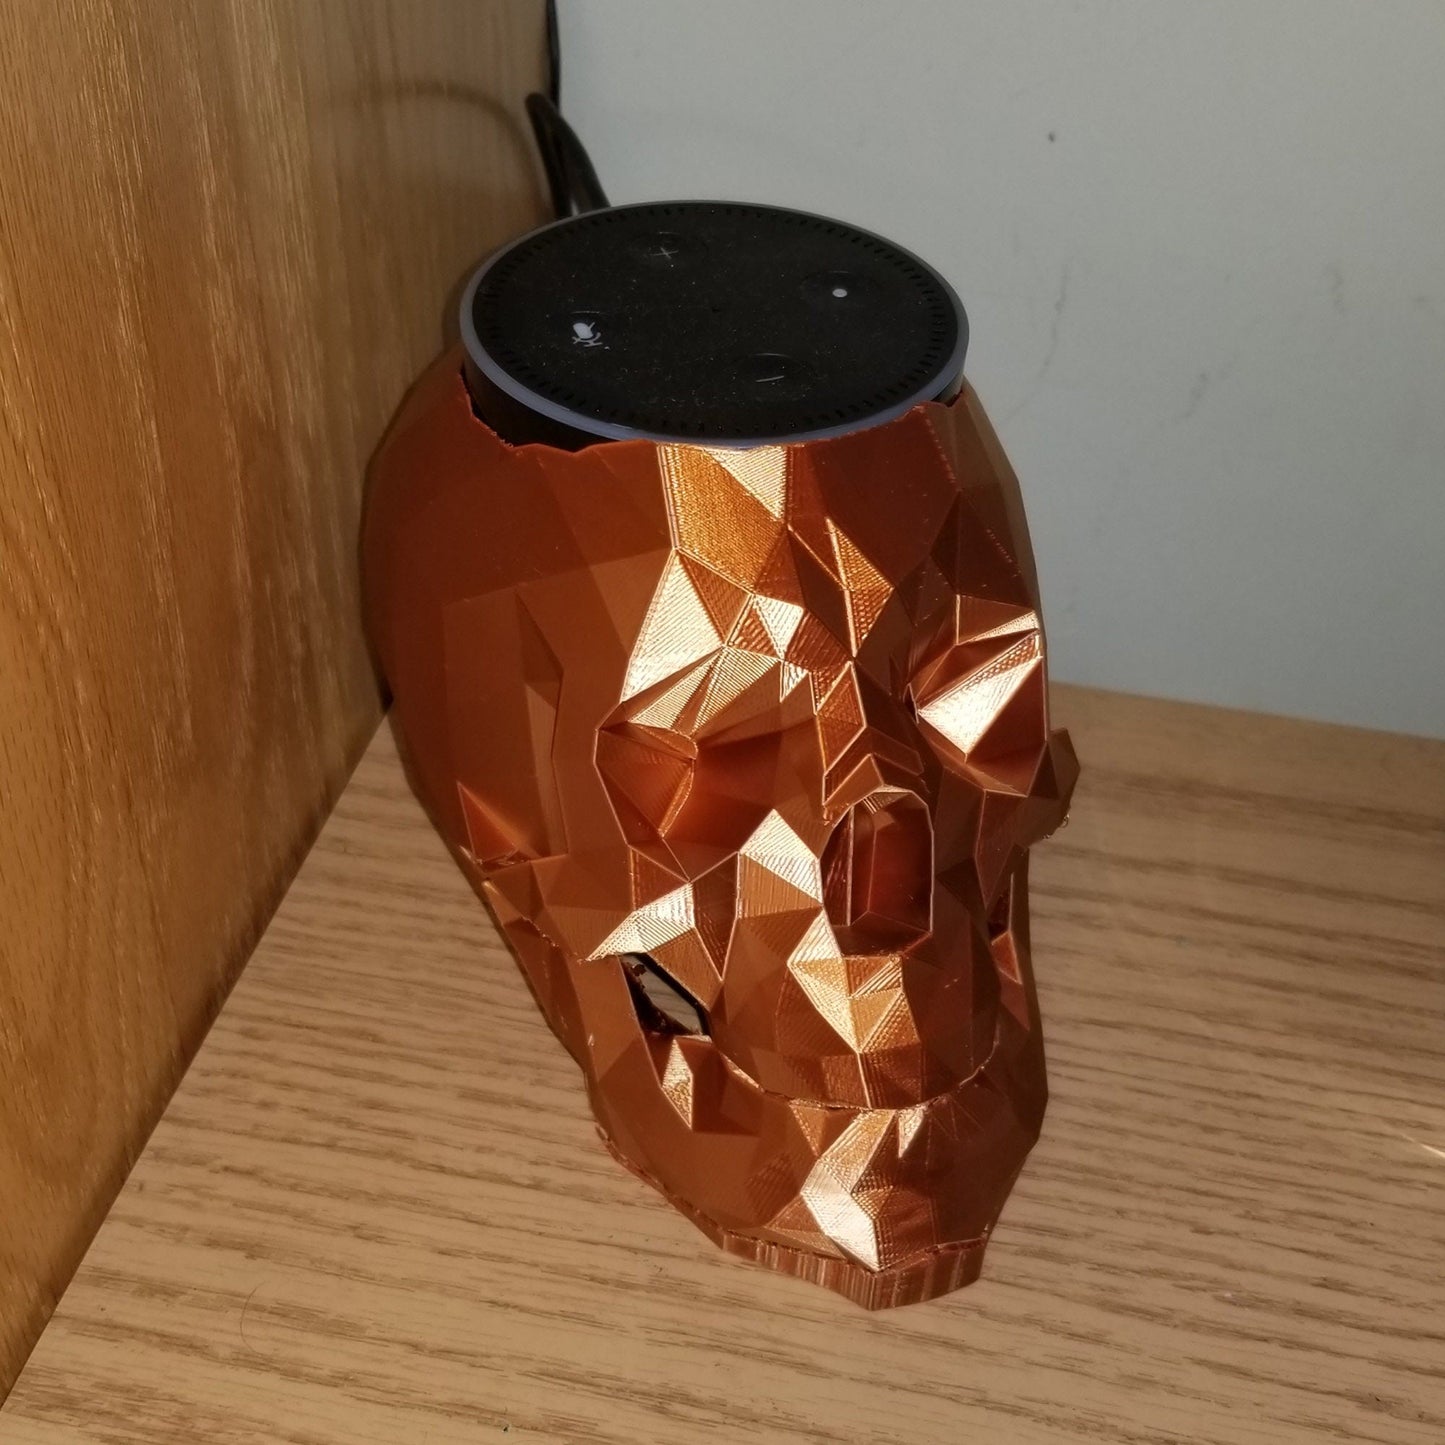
pixel 227 234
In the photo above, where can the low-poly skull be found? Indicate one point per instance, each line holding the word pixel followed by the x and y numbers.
pixel 745 749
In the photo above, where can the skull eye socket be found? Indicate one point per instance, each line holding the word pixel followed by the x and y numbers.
pixel 982 696
pixel 694 803
pixel 662 1004
pixel 648 775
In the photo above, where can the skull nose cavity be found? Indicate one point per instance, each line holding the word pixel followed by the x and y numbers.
pixel 878 872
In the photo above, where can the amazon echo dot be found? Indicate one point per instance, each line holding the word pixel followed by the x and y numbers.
pixel 712 322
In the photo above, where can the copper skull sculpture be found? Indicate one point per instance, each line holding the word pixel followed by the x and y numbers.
pixel 745 750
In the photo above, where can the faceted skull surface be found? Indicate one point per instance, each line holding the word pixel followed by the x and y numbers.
pixel 745 750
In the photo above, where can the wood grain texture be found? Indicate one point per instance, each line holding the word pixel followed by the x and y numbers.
pixel 376 1210
pixel 227 231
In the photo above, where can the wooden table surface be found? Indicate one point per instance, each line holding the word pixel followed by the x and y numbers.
pixel 376 1210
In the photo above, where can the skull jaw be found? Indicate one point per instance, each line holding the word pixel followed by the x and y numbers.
pixel 892 1207
pixel 928 1276
pixel 885 1206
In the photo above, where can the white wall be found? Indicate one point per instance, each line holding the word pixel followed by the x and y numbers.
pixel 1202 247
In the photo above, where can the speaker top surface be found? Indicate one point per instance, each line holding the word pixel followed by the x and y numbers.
pixel 711 321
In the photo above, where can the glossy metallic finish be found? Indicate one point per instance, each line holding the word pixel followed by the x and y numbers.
pixel 745 750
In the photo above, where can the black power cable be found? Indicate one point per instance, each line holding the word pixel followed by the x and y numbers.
pixel 554 57
pixel 571 176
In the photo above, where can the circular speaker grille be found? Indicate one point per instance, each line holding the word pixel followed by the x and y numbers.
pixel 712 321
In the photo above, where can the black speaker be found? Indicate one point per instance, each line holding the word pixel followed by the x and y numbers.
pixel 706 321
